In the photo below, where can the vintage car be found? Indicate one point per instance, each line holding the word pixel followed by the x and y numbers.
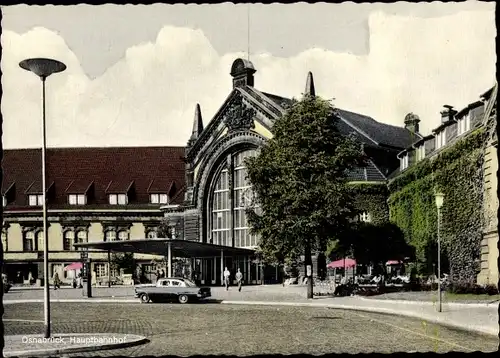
pixel 171 289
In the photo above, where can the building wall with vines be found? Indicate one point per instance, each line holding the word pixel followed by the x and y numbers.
pixel 457 171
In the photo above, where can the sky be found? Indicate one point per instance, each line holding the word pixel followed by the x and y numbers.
pixel 135 72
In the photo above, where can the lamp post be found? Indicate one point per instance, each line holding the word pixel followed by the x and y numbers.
pixel 439 204
pixel 43 68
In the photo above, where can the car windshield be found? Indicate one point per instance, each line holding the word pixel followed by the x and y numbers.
pixel 190 283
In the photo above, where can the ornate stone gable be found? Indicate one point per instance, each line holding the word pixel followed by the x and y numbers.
pixel 238 116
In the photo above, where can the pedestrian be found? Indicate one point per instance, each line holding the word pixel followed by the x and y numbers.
pixel 80 280
pixel 226 278
pixel 239 279
pixel 57 281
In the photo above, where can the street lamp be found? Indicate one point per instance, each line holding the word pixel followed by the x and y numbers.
pixel 43 68
pixel 439 204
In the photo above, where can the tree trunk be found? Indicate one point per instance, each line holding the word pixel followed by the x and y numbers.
pixel 309 275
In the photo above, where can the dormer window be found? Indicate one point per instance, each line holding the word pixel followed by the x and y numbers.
pixel 440 139
pixel 463 124
pixel 118 199
pixel 404 161
pixel 35 200
pixel 158 198
pixel 77 199
pixel 420 152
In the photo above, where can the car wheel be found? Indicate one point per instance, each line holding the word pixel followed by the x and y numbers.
pixel 145 298
pixel 183 299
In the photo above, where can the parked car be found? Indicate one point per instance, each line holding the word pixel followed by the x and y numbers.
pixel 171 289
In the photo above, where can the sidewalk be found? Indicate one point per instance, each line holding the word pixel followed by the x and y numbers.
pixel 483 320
pixel 62 343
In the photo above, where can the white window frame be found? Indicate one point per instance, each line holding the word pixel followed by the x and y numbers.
pixel 122 235
pixel 100 269
pixel 158 198
pixel 118 199
pixel 81 199
pixel 4 201
pixel 113 199
pixel 440 139
pixel 420 152
pixel 404 162
pixel 29 236
pixel 110 235
pixel 122 199
pixel 365 217
pixel 35 199
pixel 72 199
pixel 463 124
pixel 69 240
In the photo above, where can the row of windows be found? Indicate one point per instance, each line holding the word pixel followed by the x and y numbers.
pixel 81 199
pixel 33 240
pixel 243 238
pixel 463 126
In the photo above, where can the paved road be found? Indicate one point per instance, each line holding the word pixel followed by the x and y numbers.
pixel 244 330
pixel 270 293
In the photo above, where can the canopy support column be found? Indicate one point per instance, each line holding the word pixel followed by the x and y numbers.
pixel 109 268
pixel 222 266
pixel 169 258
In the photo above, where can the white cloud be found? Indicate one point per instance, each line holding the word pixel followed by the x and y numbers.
pixel 148 97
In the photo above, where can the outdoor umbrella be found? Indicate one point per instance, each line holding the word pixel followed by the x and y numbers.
pixel 74 266
pixel 342 263
pixel 393 262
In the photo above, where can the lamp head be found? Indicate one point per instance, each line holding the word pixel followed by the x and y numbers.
pixel 439 199
pixel 42 67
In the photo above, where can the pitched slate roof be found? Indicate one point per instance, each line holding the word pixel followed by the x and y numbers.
pixel 381 133
pixel 373 131
pixel 72 169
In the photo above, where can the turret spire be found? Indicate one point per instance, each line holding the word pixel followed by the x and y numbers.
pixel 197 124
pixel 198 121
pixel 310 91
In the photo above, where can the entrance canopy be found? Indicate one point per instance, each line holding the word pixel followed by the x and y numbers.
pixel 179 248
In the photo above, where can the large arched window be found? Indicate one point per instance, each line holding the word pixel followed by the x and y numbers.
pixel 228 203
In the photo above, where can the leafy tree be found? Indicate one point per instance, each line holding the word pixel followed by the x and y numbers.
pixel 164 229
pixel 299 179
pixel 125 261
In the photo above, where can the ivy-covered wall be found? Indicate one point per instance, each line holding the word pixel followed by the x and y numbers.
pixel 371 198
pixel 457 173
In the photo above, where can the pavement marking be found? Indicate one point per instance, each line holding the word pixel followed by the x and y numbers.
pixel 414 332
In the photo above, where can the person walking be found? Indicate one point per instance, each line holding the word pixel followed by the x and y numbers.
pixel 226 278
pixel 239 279
pixel 57 281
